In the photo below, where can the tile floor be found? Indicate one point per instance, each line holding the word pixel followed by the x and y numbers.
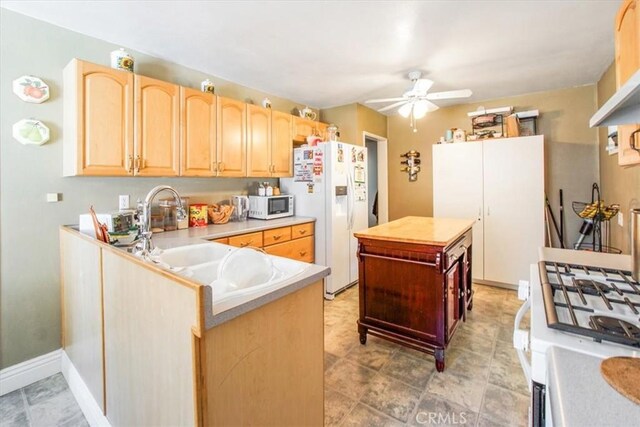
pixel 384 384
pixel 48 402
pixel 378 384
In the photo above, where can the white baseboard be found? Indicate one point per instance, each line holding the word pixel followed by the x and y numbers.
pixel 87 403
pixel 28 372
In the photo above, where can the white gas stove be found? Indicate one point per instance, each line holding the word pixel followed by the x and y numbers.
pixel 574 296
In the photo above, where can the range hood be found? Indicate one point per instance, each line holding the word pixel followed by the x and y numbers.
pixel 623 108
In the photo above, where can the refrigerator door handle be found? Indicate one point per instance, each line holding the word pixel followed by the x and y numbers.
pixel 351 199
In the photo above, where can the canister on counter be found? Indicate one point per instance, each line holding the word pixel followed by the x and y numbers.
pixel 198 215
pixel 180 224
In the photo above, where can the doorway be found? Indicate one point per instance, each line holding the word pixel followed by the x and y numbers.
pixel 377 186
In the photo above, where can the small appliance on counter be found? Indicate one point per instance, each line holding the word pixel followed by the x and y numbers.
pixel 270 207
pixel 116 222
pixel 240 208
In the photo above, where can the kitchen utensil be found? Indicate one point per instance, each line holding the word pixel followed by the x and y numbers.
pixel 240 208
pixel 102 233
pixel 635 244
pixel 623 374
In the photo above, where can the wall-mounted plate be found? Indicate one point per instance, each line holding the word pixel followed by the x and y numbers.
pixel 31 89
pixel 30 132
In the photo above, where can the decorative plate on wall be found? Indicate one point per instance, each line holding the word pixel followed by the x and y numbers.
pixel 30 131
pixel 31 89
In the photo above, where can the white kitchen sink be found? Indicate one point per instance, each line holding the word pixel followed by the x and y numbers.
pixel 191 255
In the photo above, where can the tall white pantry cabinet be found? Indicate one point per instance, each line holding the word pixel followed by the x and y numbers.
pixel 500 183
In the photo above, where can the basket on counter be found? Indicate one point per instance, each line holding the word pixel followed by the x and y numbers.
pixel 219 214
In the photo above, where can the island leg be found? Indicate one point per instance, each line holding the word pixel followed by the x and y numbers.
pixel 363 334
pixel 439 355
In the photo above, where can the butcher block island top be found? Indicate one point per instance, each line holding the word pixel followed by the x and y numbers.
pixel 414 278
pixel 420 230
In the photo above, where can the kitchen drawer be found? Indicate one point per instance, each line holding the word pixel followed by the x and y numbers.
pixel 250 239
pixel 276 235
pixel 302 230
pixel 298 249
pixel 224 240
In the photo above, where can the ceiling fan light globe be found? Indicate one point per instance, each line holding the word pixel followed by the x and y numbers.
pixel 420 109
pixel 405 110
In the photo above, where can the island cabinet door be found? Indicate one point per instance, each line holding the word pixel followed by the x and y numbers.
pixel 453 281
pixel 401 293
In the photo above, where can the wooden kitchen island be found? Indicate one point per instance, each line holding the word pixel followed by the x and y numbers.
pixel 415 282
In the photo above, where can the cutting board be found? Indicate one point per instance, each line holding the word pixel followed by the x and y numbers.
pixel 623 374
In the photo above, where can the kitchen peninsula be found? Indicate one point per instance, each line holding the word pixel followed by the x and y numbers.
pixel 415 281
pixel 157 345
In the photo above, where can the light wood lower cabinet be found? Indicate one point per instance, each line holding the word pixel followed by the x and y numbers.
pixel 137 336
pixel 295 242
pixel 298 249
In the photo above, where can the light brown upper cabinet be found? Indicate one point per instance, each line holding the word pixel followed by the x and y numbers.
pixel 302 128
pixel 259 147
pixel 269 144
pixel 98 120
pixel 627 31
pixel 198 139
pixel 157 123
pixel 322 130
pixel 281 144
pixel 231 151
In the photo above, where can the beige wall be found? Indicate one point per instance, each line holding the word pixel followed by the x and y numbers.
pixel 29 292
pixel 346 118
pixel 354 119
pixel 571 160
pixel 619 185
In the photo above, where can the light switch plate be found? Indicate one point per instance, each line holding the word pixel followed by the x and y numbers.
pixel 620 219
pixel 54 197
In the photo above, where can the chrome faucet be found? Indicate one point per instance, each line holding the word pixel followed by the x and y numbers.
pixel 145 245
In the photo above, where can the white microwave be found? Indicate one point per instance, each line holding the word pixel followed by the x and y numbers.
pixel 270 207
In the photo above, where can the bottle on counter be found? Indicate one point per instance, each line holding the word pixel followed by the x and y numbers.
pixel 261 190
pixel 269 190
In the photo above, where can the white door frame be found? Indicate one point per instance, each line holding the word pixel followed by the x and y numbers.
pixel 383 176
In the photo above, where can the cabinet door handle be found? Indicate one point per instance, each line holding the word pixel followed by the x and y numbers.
pixel 302 231
pixel 302 253
pixel 632 140
pixel 130 164
pixel 215 166
pixel 243 244
pixel 221 167
pixel 488 211
pixel 277 237
pixel 137 163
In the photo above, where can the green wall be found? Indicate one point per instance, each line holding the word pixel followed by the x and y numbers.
pixel 29 259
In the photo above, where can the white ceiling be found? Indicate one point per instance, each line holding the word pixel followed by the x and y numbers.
pixel 325 53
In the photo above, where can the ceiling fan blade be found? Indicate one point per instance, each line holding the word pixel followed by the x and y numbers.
pixel 373 101
pixel 389 107
pixel 462 93
pixel 422 85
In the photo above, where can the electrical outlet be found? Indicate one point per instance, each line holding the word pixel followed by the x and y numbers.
pixel 54 197
pixel 123 201
pixel 620 219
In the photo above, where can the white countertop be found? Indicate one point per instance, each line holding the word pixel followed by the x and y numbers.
pixel 580 396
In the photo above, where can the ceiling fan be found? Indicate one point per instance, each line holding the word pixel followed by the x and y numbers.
pixel 416 102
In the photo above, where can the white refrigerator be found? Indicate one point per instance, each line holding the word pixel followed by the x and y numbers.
pixel 330 184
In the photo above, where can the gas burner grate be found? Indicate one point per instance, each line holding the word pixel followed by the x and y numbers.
pixel 615 326
pixel 599 290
